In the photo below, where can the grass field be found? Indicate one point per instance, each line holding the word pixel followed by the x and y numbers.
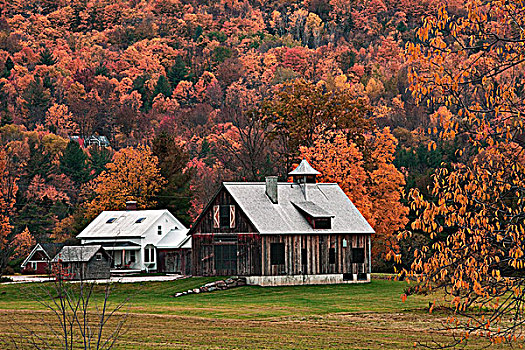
pixel 364 316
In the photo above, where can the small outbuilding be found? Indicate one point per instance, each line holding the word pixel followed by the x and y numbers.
pixel 283 233
pixel 82 263
pixel 39 259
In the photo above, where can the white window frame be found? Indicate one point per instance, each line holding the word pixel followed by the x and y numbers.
pixel 149 256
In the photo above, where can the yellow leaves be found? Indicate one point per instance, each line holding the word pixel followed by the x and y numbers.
pixel 133 174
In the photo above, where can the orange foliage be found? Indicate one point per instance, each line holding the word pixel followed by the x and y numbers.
pixel 23 243
pixel 373 184
pixel 133 175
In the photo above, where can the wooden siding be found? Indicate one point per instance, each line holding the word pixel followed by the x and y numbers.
pixel 317 248
pixel 242 223
pixel 247 246
pixel 174 261
pixel 252 250
pixel 243 236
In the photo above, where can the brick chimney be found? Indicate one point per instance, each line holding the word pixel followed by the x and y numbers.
pixel 131 205
pixel 271 188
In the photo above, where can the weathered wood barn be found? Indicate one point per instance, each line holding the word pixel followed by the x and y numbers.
pixel 299 232
pixel 82 262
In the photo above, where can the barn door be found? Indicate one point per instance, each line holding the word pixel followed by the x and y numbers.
pixel 225 256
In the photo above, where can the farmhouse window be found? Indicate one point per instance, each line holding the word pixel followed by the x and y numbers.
pixel 132 256
pixel 358 255
pixel 277 253
pixel 331 256
pixel 149 255
pixel 159 230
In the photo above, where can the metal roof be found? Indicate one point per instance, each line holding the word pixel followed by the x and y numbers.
pixel 285 218
pixel 173 239
pixel 123 223
pixel 304 168
pixel 80 253
pixel 312 209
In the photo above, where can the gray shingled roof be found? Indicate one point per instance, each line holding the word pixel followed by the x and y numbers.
pixel 285 218
pixel 304 168
pixel 51 249
pixel 81 253
pixel 312 209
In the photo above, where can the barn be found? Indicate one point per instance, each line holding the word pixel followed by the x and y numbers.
pixel 82 263
pixel 282 233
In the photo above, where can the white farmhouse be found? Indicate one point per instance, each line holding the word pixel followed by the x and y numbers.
pixel 132 237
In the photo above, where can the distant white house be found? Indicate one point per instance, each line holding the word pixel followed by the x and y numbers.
pixel 132 237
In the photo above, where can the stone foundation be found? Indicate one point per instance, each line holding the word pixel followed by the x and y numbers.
pixel 297 280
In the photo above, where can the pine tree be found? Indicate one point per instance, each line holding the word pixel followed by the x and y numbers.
pixel 46 58
pixel 8 66
pixel 74 164
pixel 37 99
pixel 178 72
pixel 175 195
pixel 162 87
pixel 98 160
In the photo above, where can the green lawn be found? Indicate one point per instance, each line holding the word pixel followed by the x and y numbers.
pixel 360 316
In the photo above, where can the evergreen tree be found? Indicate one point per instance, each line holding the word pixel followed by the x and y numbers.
pixel 178 72
pixel 8 66
pixel 173 159
pixel 99 158
pixel 46 58
pixel 162 87
pixel 37 99
pixel 74 164
pixel 139 84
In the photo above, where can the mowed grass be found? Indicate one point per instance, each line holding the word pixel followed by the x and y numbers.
pixel 351 316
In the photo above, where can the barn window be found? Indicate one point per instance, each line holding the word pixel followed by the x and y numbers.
pixel 345 243
pixel 358 255
pixel 331 256
pixel 348 276
pixel 225 257
pixel 225 216
pixel 324 223
pixel 277 253
pixel 98 256
pixel 304 256
pixel 362 276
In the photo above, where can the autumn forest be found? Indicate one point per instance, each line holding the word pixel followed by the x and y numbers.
pixel 413 107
